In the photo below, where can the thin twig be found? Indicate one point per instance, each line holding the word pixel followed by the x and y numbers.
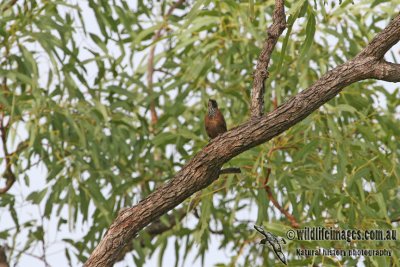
pixel 395 220
pixel 290 217
pixel 240 251
pixel 229 170
pixel 44 258
pixel 30 255
pixel 215 232
pixel 280 148
pixel 9 5
pixel 8 173
pixel 275 102
pixel 4 127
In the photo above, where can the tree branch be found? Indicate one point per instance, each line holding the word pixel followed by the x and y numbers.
pixel 9 5
pixel 261 72
pixel 158 227
pixel 230 170
pixel 267 188
pixel 8 173
pixel 395 220
pixel 385 40
pixel 386 71
pixel 10 180
pixel 204 167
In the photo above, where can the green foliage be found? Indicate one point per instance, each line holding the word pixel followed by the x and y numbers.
pixel 74 82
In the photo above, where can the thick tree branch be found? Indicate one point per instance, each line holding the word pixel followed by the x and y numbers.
pixel 158 227
pixel 204 167
pixel 261 72
pixel 383 41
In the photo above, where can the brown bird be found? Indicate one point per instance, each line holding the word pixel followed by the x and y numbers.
pixel 3 257
pixel 214 120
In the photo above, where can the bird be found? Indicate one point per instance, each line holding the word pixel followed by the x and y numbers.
pixel 274 242
pixel 214 120
pixel 3 257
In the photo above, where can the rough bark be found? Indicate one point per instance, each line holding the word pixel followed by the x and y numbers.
pixel 204 167
pixel 261 72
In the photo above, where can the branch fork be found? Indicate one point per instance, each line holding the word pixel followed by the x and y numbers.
pixel 204 167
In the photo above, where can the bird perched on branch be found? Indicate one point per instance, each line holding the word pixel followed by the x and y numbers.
pixel 214 120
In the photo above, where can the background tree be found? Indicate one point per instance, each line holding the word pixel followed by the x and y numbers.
pixel 109 98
